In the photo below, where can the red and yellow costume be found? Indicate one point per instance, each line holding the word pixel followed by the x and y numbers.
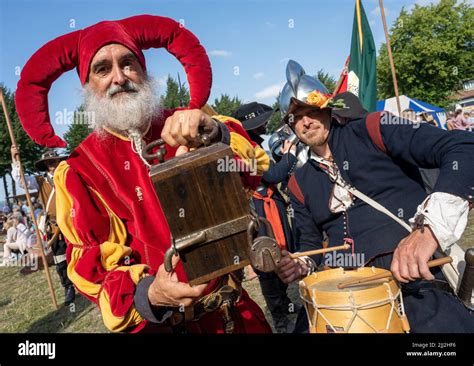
pixel 107 207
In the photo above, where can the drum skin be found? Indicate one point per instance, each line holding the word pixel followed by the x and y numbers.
pixel 319 290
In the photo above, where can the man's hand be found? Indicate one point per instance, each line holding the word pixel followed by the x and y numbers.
pixel 15 153
pixel 290 269
pixel 412 255
pixel 287 147
pixel 166 290
pixel 182 127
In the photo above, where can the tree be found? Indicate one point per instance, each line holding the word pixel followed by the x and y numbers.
pixel 329 81
pixel 175 96
pixel 29 150
pixel 78 130
pixel 432 51
pixel 225 105
pixel 275 119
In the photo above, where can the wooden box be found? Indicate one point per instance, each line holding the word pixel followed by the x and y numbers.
pixel 207 212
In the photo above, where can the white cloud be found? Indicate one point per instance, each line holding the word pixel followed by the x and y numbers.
pixel 220 53
pixel 376 12
pixel 258 75
pixel 426 2
pixel 269 92
pixel 161 82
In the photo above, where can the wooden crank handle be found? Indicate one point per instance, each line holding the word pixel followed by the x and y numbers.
pixel 431 264
pixel 319 251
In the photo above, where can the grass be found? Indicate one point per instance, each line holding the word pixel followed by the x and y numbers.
pixel 25 303
pixel 26 306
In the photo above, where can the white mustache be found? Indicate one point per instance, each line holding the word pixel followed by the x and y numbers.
pixel 129 87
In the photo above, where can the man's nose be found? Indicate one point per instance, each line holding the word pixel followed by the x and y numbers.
pixel 119 77
pixel 307 122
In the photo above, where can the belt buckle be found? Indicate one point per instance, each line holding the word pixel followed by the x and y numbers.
pixel 213 302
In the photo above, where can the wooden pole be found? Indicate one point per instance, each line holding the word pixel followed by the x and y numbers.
pixel 319 251
pixel 30 205
pixel 344 73
pixel 390 58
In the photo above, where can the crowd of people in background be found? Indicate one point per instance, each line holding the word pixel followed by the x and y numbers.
pixel 17 226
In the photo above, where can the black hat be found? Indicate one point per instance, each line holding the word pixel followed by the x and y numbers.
pixel 253 115
pixel 354 108
pixel 48 155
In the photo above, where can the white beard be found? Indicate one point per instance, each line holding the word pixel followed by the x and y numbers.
pixel 130 111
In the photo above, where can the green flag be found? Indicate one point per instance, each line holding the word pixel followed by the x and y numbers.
pixel 362 65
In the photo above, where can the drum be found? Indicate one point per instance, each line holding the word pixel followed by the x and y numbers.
pixel 374 307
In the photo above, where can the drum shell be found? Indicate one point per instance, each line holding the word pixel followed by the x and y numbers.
pixel 335 306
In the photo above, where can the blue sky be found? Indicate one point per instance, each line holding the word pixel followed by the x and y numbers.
pixel 255 38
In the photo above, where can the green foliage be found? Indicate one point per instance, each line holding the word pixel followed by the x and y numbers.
pixel 175 96
pixel 328 80
pixel 29 150
pixel 275 119
pixel 225 105
pixel 77 131
pixel 432 50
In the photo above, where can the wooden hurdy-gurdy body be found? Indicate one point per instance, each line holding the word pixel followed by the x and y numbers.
pixel 207 210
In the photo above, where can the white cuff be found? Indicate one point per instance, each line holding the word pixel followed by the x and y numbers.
pixel 446 215
pixel 16 171
pixel 309 263
pixel 30 179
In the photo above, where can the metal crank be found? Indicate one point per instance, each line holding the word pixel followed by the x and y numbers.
pixel 205 139
pixel 265 253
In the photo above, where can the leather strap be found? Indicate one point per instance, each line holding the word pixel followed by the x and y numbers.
pixel 226 294
pixel 372 123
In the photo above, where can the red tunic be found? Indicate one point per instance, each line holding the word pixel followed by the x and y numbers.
pixel 117 233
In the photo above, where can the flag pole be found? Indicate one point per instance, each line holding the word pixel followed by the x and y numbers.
pixel 390 57
pixel 344 73
pixel 30 205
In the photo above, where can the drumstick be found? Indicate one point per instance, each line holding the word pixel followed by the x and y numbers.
pixel 319 251
pixel 431 264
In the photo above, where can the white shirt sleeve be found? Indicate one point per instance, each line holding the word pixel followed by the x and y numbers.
pixel 446 215
pixel 30 179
